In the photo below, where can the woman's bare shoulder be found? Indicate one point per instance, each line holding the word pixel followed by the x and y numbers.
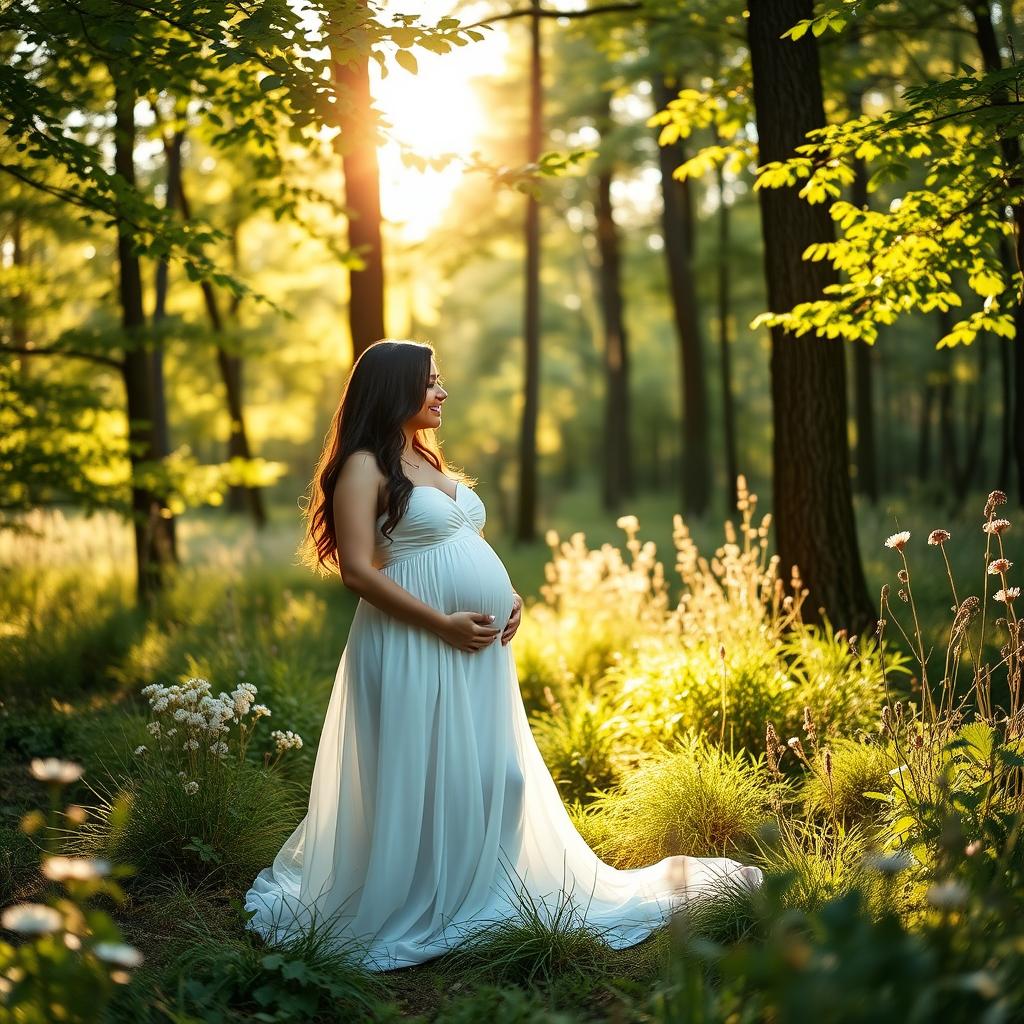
pixel 362 464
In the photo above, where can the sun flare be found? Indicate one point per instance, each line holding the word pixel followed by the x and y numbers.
pixel 432 113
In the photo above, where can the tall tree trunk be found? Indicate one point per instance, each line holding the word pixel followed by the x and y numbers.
pixel 679 227
pixel 924 437
pixel 617 467
pixel 153 547
pixel 358 145
pixel 230 367
pixel 863 378
pixel 724 303
pixel 526 512
pixel 811 459
pixel 1010 145
pixel 162 428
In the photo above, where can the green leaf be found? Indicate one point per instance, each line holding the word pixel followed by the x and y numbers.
pixel 269 82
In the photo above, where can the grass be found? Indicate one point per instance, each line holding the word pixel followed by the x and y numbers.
pixel 618 725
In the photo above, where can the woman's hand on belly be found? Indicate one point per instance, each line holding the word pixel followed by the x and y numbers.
pixel 469 631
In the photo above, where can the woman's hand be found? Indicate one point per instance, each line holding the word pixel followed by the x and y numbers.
pixel 469 631
pixel 513 620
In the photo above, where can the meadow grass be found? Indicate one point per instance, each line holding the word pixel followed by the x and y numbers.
pixel 650 711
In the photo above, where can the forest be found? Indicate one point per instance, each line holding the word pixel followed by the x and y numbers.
pixel 728 301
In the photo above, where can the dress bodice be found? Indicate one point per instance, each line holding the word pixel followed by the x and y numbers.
pixel 432 517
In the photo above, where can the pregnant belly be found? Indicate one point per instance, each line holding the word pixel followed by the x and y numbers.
pixel 477 580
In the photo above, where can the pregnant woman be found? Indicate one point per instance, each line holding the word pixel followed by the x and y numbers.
pixel 431 811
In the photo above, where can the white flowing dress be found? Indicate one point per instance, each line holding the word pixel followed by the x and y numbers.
pixel 431 811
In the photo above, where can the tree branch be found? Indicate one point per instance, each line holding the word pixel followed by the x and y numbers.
pixel 619 8
pixel 71 353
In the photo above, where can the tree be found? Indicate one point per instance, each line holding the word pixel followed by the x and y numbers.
pixel 679 227
pixel 526 509
pixel 358 146
pixel 810 451
pixel 617 468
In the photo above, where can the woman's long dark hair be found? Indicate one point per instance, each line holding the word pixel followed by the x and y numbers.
pixel 387 385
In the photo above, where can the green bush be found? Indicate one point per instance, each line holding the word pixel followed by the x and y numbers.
pixel 576 735
pixel 855 768
pixel 220 980
pixel 689 798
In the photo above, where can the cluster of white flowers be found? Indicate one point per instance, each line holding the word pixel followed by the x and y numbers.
pixel 286 740
pixel 206 721
pixel 192 787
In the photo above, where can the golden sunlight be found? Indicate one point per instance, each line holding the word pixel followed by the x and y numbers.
pixel 434 112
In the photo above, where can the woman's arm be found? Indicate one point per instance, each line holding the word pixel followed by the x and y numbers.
pixel 355 523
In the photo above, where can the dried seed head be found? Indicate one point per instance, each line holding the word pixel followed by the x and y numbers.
pixel 994 500
pixel 997 526
pixel 999 565
pixel 964 614
pixel 903 576
pixel 903 595
pixel 886 718
pixel 885 592
pixel 938 537
pixel 797 747
pixel 898 710
pixel 812 732
pixel 828 762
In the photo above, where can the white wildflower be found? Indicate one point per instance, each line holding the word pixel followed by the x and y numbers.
pixel 286 740
pixel 191 788
pixel 31 919
pixel 119 953
pixel 154 728
pixel 52 769
pixel 898 540
pixel 948 895
pixel 140 750
pixel 82 869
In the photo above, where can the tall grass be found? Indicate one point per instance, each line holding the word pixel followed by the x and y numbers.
pixel 690 798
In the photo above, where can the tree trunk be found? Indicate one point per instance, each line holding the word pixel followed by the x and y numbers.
pixel 1010 145
pixel 924 439
pixel 153 547
pixel 617 465
pixel 162 428
pixel 678 227
pixel 863 378
pixel 724 300
pixel 230 367
pixel 358 146
pixel 526 513
pixel 811 460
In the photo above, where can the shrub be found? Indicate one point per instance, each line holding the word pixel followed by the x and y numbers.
pixel 216 978
pixel 576 736
pixel 854 769
pixel 193 802
pixel 689 798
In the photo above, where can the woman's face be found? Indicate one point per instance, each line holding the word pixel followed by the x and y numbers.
pixel 429 415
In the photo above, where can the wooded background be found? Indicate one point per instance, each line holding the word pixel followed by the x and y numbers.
pixel 598 206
